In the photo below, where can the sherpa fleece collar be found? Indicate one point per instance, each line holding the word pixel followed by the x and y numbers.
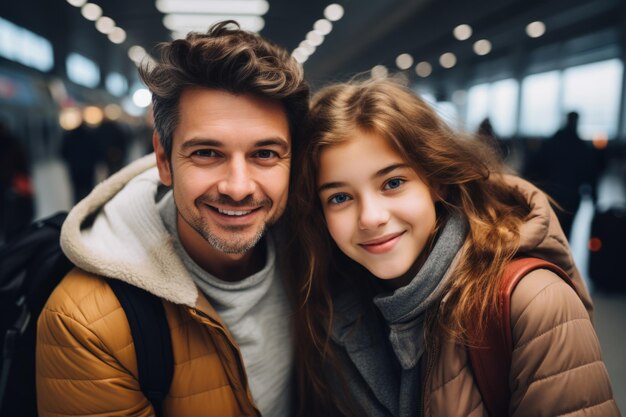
pixel 117 232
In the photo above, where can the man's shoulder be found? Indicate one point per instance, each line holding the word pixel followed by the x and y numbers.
pixel 83 296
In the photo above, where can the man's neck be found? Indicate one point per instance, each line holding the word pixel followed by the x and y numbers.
pixel 225 266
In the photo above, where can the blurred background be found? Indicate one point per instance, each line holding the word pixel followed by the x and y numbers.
pixel 542 80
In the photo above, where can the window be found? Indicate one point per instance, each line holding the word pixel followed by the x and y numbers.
pixel 503 107
pixel 477 106
pixel 82 71
pixel 116 84
pixel 498 102
pixel 540 104
pixel 23 46
pixel 593 90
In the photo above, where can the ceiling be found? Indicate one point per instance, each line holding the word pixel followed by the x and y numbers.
pixel 370 32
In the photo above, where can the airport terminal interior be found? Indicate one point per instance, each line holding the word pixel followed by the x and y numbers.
pixel 543 80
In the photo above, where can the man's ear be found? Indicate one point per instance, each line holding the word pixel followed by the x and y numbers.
pixel 163 161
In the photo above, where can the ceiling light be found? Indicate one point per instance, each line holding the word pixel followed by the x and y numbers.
pixel 136 53
pixel 93 115
pixel 91 11
pixel 323 26
pixel 77 3
pixel 142 97
pixel 462 32
pixel 307 47
pixel 117 35
pixel 201 22
pixel 302 51
pixel 423 69
pixel 333 12
pixel 404 61
pixel 245 7
pixel 447 60
pixel 314 38
pixel 482 47
pixel 105 25
pixel 70 118
pixel 535 29
pixel 379 72
pixel 113 111
pixel 299 56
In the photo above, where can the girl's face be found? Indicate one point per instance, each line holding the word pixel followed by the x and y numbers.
pixel 377 209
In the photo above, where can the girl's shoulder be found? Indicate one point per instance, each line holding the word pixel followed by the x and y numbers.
pixel 555 352
pixel 543 302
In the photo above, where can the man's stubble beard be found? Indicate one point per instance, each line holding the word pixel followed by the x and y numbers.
pixel 238 245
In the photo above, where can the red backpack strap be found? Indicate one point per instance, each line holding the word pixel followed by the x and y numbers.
pixel 491 358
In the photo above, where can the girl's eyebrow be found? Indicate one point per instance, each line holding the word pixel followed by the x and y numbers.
pixel 329 185
pixel 380 173
pixel 390 168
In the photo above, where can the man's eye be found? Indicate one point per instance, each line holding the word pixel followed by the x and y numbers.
pixel 393 183
pixel 338 199
pixel 207 153
pixel 266 154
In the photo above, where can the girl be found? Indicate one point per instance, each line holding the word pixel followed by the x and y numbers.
pixel 405 229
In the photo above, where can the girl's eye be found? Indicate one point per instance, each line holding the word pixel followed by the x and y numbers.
pixel 393 183
pixel 266 154
pixel 338 199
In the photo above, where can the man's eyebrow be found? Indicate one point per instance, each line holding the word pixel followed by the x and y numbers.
pixel 214 143
pixel 379 173
pixel 191 143
pixel 277 141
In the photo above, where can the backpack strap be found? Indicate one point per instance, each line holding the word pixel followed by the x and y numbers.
pixel 152 340
pixel 491 358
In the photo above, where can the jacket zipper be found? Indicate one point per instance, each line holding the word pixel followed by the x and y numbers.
pixel 242 375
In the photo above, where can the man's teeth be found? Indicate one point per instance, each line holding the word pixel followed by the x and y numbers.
pixel 233 212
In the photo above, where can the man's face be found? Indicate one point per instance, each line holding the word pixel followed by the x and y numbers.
pixel 229 169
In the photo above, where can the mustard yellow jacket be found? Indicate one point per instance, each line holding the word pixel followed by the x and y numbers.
pixel 86 363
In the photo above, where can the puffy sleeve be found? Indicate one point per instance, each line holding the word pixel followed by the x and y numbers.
pixel 85 357
pixel 557 367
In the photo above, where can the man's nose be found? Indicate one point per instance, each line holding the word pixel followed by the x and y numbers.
pixel 237 182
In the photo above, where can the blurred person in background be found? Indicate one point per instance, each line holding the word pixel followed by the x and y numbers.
pixel 566 167
pixel 114 141
pixel 16 190
pixel 81 152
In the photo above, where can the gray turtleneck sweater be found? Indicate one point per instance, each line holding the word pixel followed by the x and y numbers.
pixel 257 313
pixel 383 346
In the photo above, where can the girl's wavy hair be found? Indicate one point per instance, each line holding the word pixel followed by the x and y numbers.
pixel 465 174
pixel 225 58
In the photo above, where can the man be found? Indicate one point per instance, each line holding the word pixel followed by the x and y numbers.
pixel 196 231
pixel 566 169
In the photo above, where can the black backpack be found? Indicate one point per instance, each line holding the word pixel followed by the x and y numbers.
pixel 31 266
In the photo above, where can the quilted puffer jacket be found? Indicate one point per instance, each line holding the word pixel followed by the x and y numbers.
pixel 86 362
pixel 557 367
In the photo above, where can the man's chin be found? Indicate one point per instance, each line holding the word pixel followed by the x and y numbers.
pixel 237 246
